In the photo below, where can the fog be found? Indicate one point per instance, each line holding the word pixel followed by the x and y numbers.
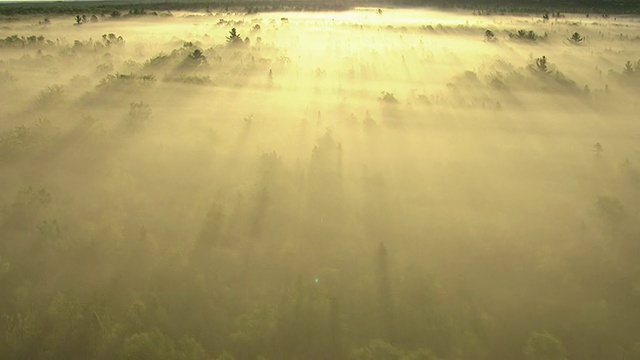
pixel 325 185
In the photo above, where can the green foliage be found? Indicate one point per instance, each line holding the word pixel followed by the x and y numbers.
pixel 138 11
pixel 225 356
pixel 489 36
pixel 631 69
pixel 152 345
pixel 169 245
pixel 388 98
pixel 129 82
pixel 189 79
pixel 51 95
pixel 18 41
pixel 27 140
pixel 544 346
pixel 383 350
pixel 541 66
pixel 76 330
pixel 20 334
pixel 157 61
pixel 576 38
pixel 30 197
pixel 197 57
pixel 420 354
pixel 254 333
pixel 112 39
pixel 234 37
pixel 139 114
pixel 189 349
pixel 377 350
pixel 524 35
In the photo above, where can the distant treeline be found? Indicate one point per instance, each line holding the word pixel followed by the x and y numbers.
pixel 494 6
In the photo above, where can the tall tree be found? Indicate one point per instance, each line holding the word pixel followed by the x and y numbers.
pixel 385 295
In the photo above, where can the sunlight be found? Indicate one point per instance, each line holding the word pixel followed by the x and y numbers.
pixel 176 182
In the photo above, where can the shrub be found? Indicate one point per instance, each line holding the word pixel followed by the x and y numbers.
pixel 388 97
pixel 525 35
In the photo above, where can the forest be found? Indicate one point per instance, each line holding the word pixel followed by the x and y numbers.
pixel 370 184
pixel 39 7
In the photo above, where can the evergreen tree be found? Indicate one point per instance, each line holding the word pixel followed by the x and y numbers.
pixel 234 37
pixel 385 296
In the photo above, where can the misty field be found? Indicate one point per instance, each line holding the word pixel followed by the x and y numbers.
pixel 368 184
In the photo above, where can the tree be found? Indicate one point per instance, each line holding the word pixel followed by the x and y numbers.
pixel 152 345
pixel 335 341
pixel 489 36
pixel 576 38
pixel 225 356
pixel 541 65
pixel 112 39
pixel 388 97
pixel 385 293
pixel 234 37
pixel 198 57
pixel 628 68
pixel 544 346
pixel 189 349
pixel 524 35
pixel 139 113
pixel 377 350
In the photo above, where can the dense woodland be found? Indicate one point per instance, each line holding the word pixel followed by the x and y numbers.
pixel 495 6
pixel 255 187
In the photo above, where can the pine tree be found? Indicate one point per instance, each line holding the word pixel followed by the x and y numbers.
pixel 385 296
pixel 234 37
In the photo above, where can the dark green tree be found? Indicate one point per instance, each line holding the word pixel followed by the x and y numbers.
pixel 385 295
pixel 628 68
pixel 234 37
pixel 489 36
pixel 541 66
pixel 197 57
pixel 576 38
